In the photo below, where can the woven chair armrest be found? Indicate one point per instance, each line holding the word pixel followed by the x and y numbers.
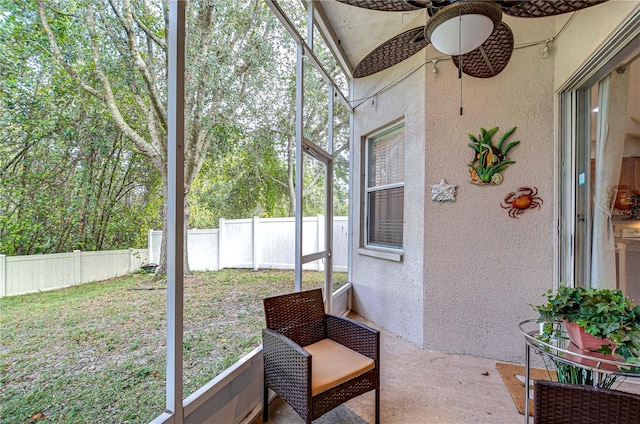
pixel 285 358
pixel 354 335
pixel 274 339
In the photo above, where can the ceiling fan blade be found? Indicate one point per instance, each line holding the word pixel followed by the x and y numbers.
pixel 392 51
pixel 542 8
pixel 387 5
pixel 491 57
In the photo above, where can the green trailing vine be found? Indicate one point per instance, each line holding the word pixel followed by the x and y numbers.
pixel 602 313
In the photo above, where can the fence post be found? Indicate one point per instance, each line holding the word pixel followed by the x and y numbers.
pixel 221 241
pixel 130 265
pixel 3 275
pixel 257 245
pixel 77 266
pixel 149 245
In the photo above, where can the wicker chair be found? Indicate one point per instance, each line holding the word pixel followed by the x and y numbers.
pixel 559 403
pixel 316 361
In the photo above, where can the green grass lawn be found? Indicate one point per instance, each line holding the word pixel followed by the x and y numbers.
pixel 95 353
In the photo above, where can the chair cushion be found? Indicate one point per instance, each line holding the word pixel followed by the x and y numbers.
pixel 332 364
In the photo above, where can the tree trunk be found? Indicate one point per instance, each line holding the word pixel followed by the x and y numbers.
pixel 161 270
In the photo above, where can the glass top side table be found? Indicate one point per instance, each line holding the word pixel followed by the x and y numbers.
pixel 561 351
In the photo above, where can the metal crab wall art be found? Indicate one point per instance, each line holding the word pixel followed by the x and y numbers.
pixel 525 198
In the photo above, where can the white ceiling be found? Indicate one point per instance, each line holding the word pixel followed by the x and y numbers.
pixel 358 31
pixel 361 30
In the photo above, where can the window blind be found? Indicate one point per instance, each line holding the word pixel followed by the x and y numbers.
pixel 386 216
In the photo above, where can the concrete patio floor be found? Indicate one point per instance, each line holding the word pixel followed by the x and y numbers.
pixel 420 386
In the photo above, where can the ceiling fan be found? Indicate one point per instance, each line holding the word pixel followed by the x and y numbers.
pixel 471 32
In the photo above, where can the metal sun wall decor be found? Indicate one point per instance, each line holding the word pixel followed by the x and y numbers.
pixel 488 160
pixel 443 192
pixel 525 198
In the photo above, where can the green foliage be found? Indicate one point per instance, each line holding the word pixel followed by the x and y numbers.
pixel 81 186
pixel 249 169
pixel 488 159
pixel 602 313
pixel 69 179
pixel 79 171
pixel 239 179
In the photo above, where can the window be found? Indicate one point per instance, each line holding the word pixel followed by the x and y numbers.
pixel 384 189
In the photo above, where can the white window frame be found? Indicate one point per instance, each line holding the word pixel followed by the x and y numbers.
pixel 377 136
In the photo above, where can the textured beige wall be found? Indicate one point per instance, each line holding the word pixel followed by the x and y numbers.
pixel 481 266
pixel 470 271
pixel 386 292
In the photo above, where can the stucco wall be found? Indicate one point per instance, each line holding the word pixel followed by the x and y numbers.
pixel 482 268
pixel 470 271
pixel 386 292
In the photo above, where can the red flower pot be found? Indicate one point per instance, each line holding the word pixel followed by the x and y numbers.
pixel 584 340
pixel 593 363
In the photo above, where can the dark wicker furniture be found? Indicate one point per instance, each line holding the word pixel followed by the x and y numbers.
pixel 297 320
pixel 559 403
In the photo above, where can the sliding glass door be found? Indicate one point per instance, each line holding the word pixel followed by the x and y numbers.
pixel 600 175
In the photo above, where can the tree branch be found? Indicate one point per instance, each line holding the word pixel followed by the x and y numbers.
pixel 342 148
pixel 58 55
pixel 144 146
pixel 197 142
pixel 127 21
pixel 277 181
pixel 160 42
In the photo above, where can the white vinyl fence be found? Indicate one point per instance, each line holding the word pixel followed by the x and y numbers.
pixel 258 243
pixel 34 273
pixel 238 243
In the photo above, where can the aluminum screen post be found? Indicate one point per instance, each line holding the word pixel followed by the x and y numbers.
pixel 299 163
pixel 328 227
pixel 175 209
pixel 527 382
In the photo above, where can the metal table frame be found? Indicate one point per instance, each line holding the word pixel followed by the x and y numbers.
pixel 557 350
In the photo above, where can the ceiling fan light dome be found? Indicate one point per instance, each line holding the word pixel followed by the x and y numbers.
pixel 455 37
pixel 462 27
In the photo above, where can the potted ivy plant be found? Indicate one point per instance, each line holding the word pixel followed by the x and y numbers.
pixel 605 314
